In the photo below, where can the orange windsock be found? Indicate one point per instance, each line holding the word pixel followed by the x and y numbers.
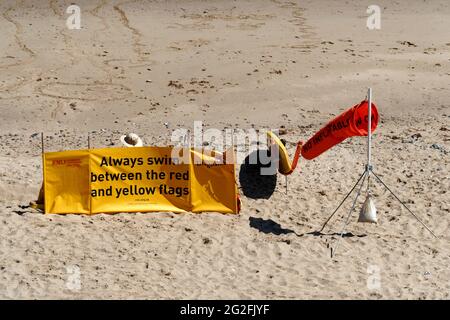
pixel 350 123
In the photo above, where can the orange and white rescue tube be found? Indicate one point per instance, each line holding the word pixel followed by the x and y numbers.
pixel 353 122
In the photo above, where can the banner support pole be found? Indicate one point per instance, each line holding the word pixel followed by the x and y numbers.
pixel 42 143
pixel 41 197
pixel 286 182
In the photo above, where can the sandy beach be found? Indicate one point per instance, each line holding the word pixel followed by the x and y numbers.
pixel 151 67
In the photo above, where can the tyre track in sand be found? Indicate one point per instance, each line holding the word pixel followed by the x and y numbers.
pixel 103 66
pixel 136 34
pixel 53 4
pixel 22 46
pixel 18 39
pixel 82 91
pixel 307 32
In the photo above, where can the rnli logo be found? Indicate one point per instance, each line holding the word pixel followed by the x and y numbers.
pixel 67 162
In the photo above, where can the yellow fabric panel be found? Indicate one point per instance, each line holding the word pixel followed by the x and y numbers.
pixel 66 182
pixel 208 181
pixel 137 180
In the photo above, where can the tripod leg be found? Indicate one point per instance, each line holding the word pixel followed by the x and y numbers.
pixel 348 217
pixel 403 204
pixel 348 194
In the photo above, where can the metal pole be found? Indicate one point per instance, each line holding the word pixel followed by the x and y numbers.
pixel 369 138
pixel 369 130
pixel 185 140
pixel 89 141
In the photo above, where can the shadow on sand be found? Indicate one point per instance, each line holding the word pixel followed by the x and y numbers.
pixel 269 226
pixel 255 185
pixel 319 234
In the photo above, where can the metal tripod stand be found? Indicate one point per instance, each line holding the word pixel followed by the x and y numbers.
pixel 368 171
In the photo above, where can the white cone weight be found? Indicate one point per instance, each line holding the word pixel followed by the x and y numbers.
pixel 368 211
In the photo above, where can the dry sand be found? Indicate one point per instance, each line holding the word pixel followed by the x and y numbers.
pixel 232 64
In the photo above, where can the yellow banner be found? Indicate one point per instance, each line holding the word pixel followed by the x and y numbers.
pixel 139 180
